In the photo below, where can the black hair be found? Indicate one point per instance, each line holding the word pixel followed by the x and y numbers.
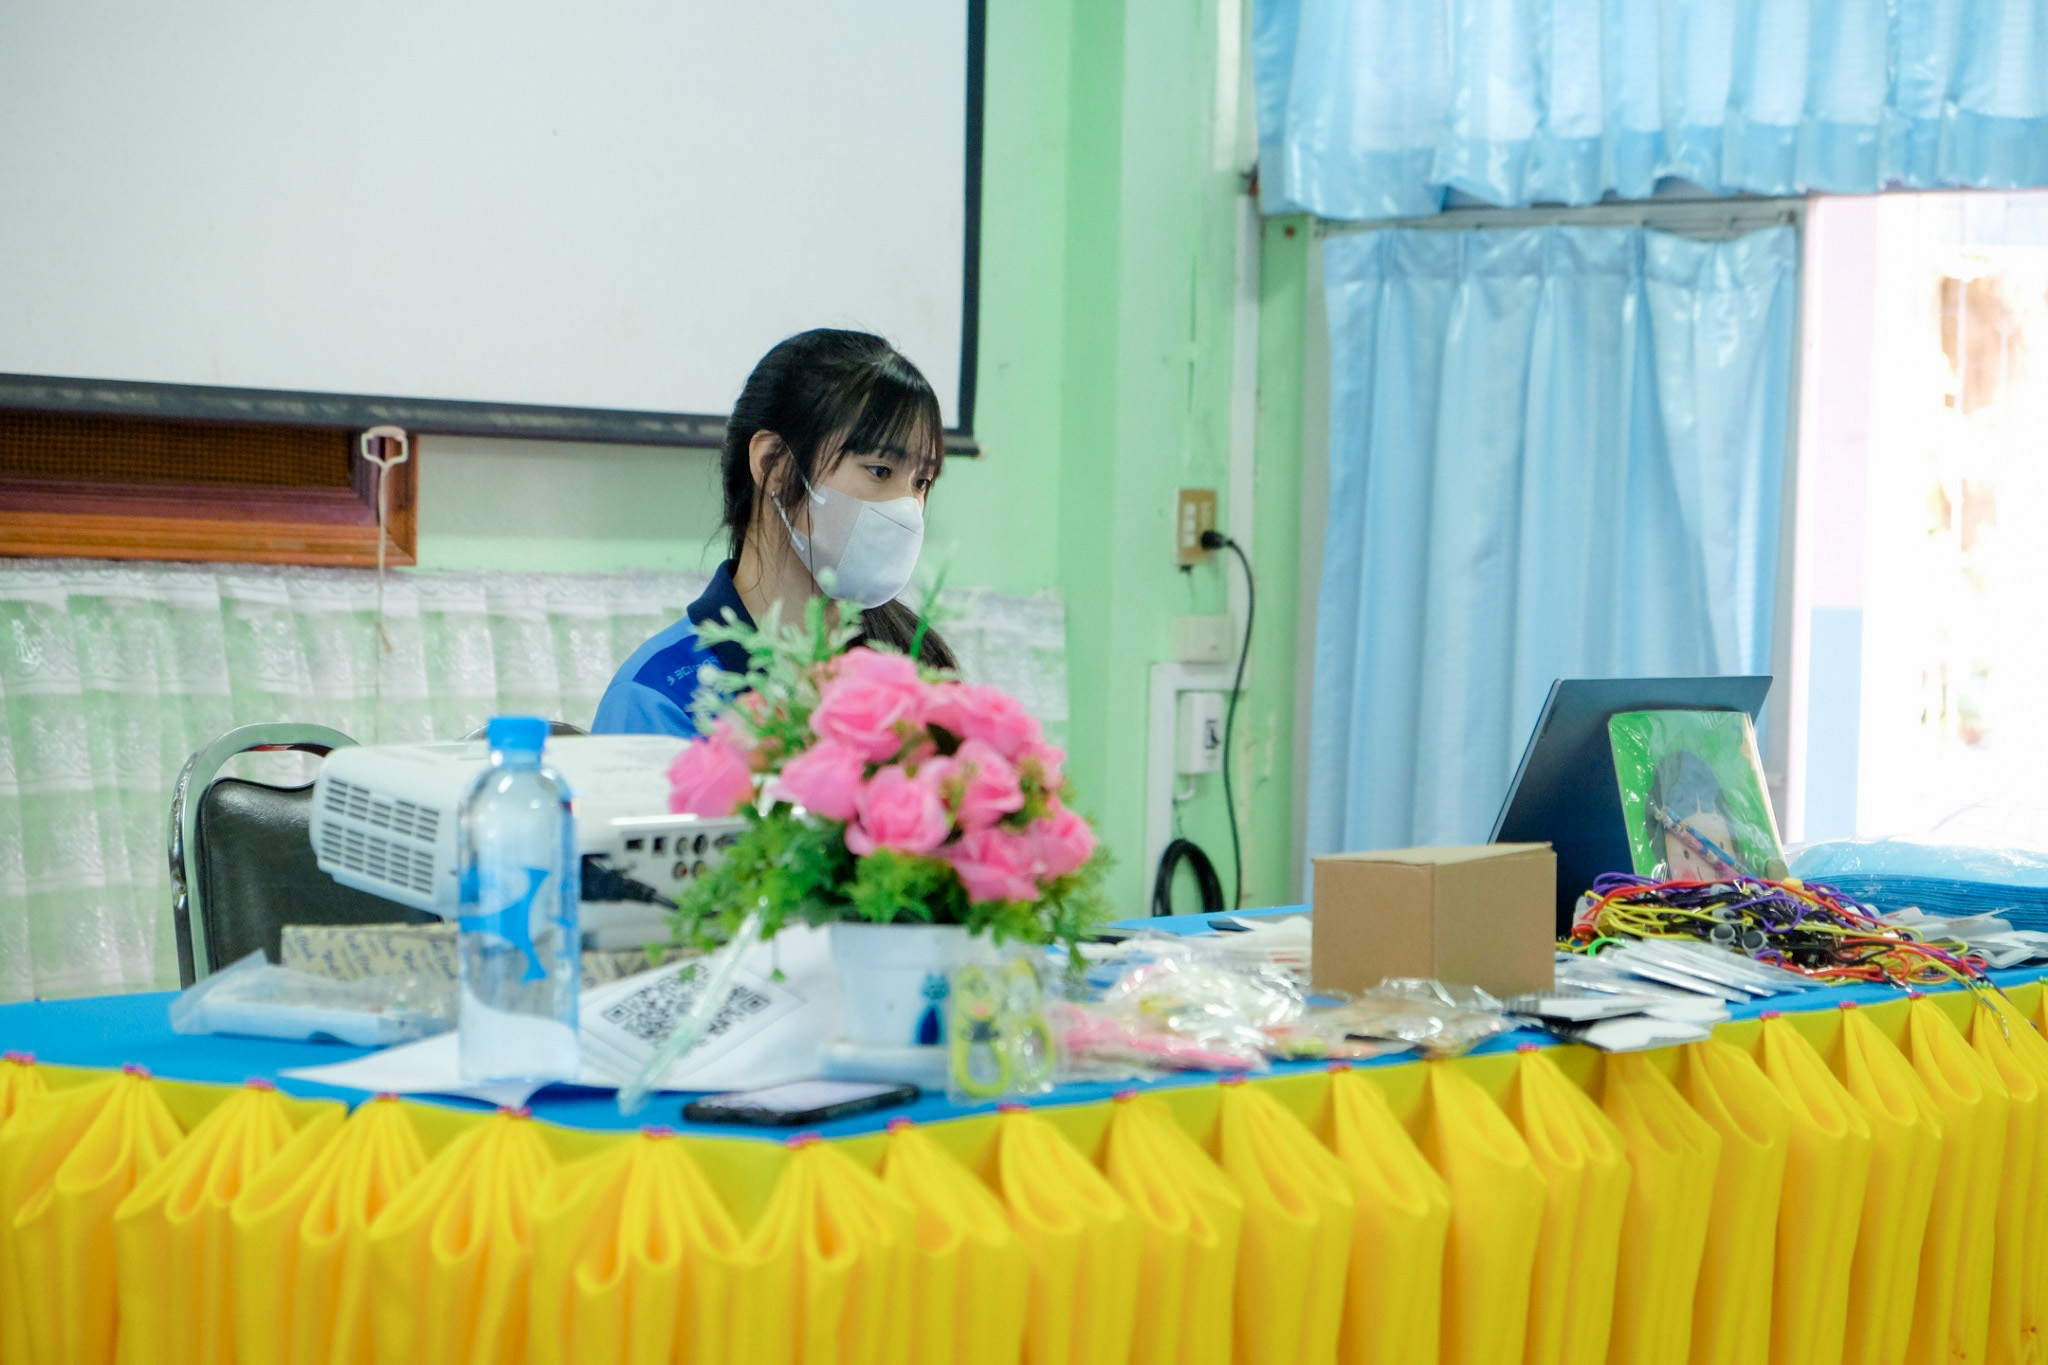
pixel 826 394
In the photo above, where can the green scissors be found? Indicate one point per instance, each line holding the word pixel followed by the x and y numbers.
pixel 980 1064
pixel 1000 1041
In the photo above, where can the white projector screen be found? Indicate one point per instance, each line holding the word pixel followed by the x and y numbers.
pixel 515 217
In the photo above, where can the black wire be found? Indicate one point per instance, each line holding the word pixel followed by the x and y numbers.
pixel 1212 540
pixel 1181 851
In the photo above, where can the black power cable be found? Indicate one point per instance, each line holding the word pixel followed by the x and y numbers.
pixel 1216 540
pixel 1181 851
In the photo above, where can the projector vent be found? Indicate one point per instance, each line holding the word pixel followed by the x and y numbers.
pixel 378 859
pixel 403 819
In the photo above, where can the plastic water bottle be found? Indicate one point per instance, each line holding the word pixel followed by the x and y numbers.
pixel 518 941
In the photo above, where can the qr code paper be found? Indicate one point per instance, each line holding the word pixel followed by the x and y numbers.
pixel 651 1013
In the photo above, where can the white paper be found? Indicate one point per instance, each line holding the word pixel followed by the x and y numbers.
pixel 769 1032
pixel 431 1066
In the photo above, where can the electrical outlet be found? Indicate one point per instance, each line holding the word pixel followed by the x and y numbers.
pixel 1194 514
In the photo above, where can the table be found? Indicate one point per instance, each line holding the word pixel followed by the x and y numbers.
pixel 1395 1212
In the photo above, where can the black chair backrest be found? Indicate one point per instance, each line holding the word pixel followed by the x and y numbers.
pixel 257 872
pixel 241 855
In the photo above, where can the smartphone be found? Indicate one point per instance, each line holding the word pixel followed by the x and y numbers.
pixel 799 1102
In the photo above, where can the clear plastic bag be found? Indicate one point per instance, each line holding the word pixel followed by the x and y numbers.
pixel 256 999
pixel 1183 1004
pixel 1436 1019
pixel 1693 796
pixel 1002 1043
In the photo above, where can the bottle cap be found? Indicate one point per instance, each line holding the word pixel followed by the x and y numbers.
pixel 517 734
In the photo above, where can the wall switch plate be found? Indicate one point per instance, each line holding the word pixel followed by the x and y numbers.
pixel 1203 640
pixel 1198 744
pixel 1193 514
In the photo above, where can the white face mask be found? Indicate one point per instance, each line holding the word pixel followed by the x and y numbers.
pixel 867 550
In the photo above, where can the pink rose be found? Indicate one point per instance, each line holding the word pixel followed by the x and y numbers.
pixel 988 714
pixel 895 810
pixel 825 779
pixel 873 665
pixel 725 731
pixel 989 789
pixel 995 865
pixel 712 777
pixel 1045 763
pixel 1063 841
pixel 868 709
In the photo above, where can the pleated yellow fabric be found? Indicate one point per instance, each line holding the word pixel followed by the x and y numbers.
pixel 1402 1209
pixel 33 1140
pixel 449 1256
pixel 173 1236
pixel 635 1260
pixel 1297 1231
pixel 1579 1152
pixel 1906 1140
pixel 1497 1202
pixel 301 1236
pixel 969 1267
pixel 1674 1155
pixel 854 1239
pixel 2015 1051
pixel 20 1079
pixel 21 1086
pixel 1192 1219
pixel 1952 1305
pixel 75 1156
pixel 1826 1171
pixel 1731 1319
pixel 1856 1187
pixel 1082 1243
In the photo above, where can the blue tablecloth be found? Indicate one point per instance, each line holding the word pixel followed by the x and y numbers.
pixel 121 1030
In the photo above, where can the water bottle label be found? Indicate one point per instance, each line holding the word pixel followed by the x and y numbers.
pixel 513 922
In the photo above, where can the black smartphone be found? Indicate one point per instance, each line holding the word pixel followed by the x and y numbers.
pixel 797 1102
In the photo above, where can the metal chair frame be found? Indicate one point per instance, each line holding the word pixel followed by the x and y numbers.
pixel 187 898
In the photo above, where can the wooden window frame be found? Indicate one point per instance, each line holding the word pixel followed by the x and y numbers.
pixel 218 523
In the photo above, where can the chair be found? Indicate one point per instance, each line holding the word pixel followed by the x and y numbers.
pixel 241 854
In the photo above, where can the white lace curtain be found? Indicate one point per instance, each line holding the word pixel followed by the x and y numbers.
pixel 111 675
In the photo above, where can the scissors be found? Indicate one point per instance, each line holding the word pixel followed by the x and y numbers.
pixel 1000 1041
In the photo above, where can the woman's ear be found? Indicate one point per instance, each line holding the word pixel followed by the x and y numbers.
pixel 762 452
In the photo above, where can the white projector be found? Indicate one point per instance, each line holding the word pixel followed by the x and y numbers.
pixel 385 818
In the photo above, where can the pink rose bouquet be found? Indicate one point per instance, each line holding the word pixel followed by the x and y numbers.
pixel 876 790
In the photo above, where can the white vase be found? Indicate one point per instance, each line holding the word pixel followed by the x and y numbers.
pixel 892 981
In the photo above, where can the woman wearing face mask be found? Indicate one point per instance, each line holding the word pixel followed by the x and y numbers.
pixel 830 454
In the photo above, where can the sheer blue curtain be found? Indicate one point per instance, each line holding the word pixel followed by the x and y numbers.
pixel 1554 452
pixel 1377 108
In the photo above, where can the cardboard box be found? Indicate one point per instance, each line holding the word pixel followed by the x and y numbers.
pixel 349 952
pixel 1482 916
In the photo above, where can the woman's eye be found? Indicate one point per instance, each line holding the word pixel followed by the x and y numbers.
pixel 881 471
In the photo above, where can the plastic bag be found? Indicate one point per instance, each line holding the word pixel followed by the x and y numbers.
pixel 1183 1004
pixel 252 997
pixel 1439 1020
pixel 1001 1042
pixel 1693 795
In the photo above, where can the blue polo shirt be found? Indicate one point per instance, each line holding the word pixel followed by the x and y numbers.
pixel 652 691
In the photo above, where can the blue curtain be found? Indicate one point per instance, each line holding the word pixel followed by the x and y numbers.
pixel 1555 452
pixel 1373 109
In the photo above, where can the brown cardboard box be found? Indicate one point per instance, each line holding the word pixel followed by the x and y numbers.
pixel 1482 916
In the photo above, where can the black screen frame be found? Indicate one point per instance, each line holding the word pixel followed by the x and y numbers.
pixel 449 417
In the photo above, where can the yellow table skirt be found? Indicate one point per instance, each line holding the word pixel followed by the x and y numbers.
pixel 1865 1185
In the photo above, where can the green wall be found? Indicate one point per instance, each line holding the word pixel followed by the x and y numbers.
pixel 1104 385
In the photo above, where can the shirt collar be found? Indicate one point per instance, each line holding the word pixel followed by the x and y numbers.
pixel 720 597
